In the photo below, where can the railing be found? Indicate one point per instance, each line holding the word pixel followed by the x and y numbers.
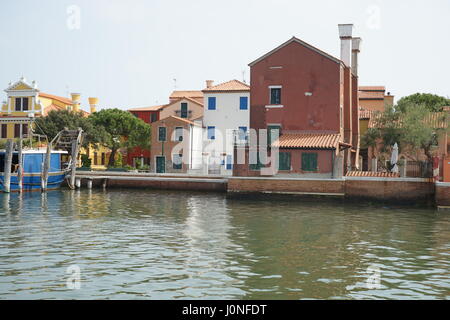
pixel 183 114
pixel 419 169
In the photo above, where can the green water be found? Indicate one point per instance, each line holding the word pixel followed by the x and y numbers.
pixel 163 245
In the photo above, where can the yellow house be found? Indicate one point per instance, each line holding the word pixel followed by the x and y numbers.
pixel 25 102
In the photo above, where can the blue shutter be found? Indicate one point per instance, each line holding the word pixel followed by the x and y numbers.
pixel 242 133
pixel 211 132
pixel 243 105
pixel 229 162
pixel 211 103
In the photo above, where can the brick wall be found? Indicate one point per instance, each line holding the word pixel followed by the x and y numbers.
pixel 443 194
pixel 285 185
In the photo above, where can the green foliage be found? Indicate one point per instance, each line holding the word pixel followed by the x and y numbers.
pixel 413 127
pixel 123 130
pixel 57 120
pixel 432 102
pixel 85 161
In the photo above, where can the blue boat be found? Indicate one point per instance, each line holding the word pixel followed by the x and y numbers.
pixel 33 160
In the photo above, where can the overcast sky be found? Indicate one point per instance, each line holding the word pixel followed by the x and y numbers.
pixel 128 53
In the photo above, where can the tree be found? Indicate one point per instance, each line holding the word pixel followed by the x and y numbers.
pixel 433 102
pixel 57 120
pixel 414 127
pixel 123 130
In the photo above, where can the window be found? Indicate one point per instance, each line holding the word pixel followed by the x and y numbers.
pixel 177 161
pixel 184 110
pixel 179 134
pixel 95 158
pixel 21 104
pixel 162 133
pixel 242 133
pixel 16 130
pixel 25 129
pixel 229 162
pixel 211 132
pixel 284 162
pixel 275 95
pixel 103 158
pixel 272 133
pixel 243 103
pixel 153 117
pixel 4 133
pixel 309 161
pixel 341 115
pixel 211 103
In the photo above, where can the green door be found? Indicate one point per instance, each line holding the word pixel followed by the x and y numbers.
pixel 160 164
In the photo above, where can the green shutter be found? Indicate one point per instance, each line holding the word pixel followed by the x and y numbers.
pixel 270 139
pixel 309 161
pixel 284 161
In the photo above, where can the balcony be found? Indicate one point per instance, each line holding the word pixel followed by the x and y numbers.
pixel 183 114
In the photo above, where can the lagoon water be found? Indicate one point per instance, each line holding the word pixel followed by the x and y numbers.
pixel 130 244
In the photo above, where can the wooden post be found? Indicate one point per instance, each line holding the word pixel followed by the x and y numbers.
pixel 20 166
pixel 46 168
pixel 75 150
pixel 89 183
pixel 7 168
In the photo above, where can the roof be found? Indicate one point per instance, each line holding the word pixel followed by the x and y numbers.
pixel 308 140
pixel 372 88
pixel 229 86
pixel 365 114
pixel 296 40
pixel 152 108
pixel 184 98
pixel 177 94
pixel 437 120
pixel 372 174
pixel 58 98
pixel 371 95
pixel 180 119
pixel 52 107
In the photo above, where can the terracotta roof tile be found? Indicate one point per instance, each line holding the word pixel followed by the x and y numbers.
pixel 232 85
pixel 308 140
pixel 436 119
pixel 365 114
pixel 51 96
pixel 152 108
pixel 372 174
pixel 178 94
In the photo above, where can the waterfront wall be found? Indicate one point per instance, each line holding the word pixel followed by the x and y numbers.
pixel 443 194
pixel 401 190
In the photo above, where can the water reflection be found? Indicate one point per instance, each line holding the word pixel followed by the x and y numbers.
pixel 163 245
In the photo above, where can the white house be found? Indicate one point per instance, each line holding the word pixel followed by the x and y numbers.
pixel 226 116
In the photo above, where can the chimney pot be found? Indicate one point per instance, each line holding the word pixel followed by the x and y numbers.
pixel 209 83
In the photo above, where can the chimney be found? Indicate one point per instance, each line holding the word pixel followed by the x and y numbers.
pixel 209 83
pixel 76 101
pixel 93 102
pixel 345 34
pixel 356 46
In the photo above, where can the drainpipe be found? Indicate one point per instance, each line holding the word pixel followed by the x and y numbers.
pixel 332 164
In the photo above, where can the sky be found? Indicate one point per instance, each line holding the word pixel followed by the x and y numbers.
pixel 133 53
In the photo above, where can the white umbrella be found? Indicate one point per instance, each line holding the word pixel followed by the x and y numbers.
pixel 394 158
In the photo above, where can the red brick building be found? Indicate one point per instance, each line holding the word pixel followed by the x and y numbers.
pixel 140 156
pixel 311 99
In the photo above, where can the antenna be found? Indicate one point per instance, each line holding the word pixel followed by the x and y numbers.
pixel 174 83
pixel 243 76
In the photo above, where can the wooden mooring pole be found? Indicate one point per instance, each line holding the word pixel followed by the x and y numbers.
pixel 20 166
pixel 7 168
pixel 46 168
